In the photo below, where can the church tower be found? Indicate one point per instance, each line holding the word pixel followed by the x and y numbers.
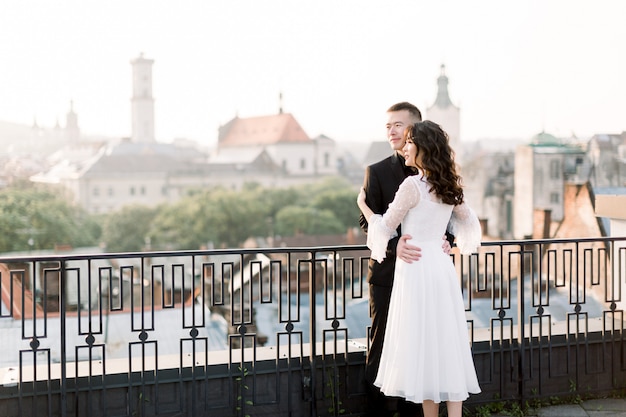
pixel 72 131
pixel 446 114
pixel 142 102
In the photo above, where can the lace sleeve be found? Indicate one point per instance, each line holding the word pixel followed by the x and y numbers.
pixel 383 227
pixel 464 225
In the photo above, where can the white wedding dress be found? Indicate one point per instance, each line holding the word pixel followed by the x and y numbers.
pixel 426 353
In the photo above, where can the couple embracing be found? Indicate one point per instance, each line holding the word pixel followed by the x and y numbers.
pixel 411 208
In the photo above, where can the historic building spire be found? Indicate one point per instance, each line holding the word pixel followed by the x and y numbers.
pixel 142 102
pixel 72 131
pixel 444 112
pixel 443 98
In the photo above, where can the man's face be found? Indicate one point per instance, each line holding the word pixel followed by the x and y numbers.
pixel 396 123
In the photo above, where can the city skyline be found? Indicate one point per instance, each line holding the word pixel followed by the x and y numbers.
pixel 514 69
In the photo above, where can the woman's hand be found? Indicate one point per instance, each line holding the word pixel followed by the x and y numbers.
pixel 360 199
pixel 446 246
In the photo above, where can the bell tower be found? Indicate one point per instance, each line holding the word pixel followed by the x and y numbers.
pixel 72 131
pixel 142 102
pixel 446 114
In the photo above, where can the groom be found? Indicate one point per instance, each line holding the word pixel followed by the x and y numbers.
pixel 382 180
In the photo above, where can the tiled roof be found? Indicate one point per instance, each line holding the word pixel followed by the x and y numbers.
pixel 140 158
pixel 262 130
pixel 12 304
pixel 234 155
pixel 134 163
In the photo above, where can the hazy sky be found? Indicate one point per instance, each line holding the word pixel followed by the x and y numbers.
pixel 515 67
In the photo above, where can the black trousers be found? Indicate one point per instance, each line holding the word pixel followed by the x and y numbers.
pixel 380 405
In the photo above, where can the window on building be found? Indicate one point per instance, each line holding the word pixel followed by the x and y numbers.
pixel 555 169
pixel 95 191
pixel 111 192
pixel 326 159
pixel 132 190
pixel 555 198
pixel 143 190
pixel 284 165
pixel 302 163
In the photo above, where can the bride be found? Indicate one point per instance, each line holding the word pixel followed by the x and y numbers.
pixel 426 356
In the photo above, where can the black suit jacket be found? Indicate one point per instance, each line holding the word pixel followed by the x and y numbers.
pixel 381 182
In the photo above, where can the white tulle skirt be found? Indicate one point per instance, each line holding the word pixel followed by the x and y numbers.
pixel 426 354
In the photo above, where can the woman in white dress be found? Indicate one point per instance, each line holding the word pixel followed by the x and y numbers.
pixel 426 355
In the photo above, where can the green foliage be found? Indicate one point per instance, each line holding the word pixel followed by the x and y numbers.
pixel 516 410
pixel 236 217
pixel 139 405
pixel 499 407
pixel 535 402
pixel 241 389
pixel 128 229
pixel 224 218
pixel 292 220
pixel 336 405
pixel 227 218
pixel 274 199
pixel 183 225
pixel 482 411
pixel 342 203
pixel 40 218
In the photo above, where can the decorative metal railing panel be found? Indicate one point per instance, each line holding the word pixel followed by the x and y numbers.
pixel 283 331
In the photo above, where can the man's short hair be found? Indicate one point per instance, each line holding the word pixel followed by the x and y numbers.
pixel 412 109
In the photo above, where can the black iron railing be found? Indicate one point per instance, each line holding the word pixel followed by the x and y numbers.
pixel 283 331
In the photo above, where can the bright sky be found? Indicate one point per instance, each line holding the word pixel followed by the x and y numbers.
pixel 515 67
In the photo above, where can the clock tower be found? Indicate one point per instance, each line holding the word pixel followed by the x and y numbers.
pixel 142 102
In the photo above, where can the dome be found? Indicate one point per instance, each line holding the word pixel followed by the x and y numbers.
pixel 545 139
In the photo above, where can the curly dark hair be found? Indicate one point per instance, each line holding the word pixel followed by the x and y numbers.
pixel 437 163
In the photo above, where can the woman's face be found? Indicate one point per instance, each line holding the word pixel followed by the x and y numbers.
pixel 412 157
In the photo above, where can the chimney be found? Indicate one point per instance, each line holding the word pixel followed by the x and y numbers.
pixel 547 219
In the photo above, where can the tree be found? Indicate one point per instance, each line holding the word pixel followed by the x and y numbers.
pixel 127 230
pixel 234 217
pixel 341 202
pixel 39 218
pixel 224 218
pixel 292 220
pixel 183 225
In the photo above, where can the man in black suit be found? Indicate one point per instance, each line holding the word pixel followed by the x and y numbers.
pixel 382 180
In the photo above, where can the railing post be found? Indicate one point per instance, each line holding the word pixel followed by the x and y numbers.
pixel 63 339
pixel 312 333
pixel 521 323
